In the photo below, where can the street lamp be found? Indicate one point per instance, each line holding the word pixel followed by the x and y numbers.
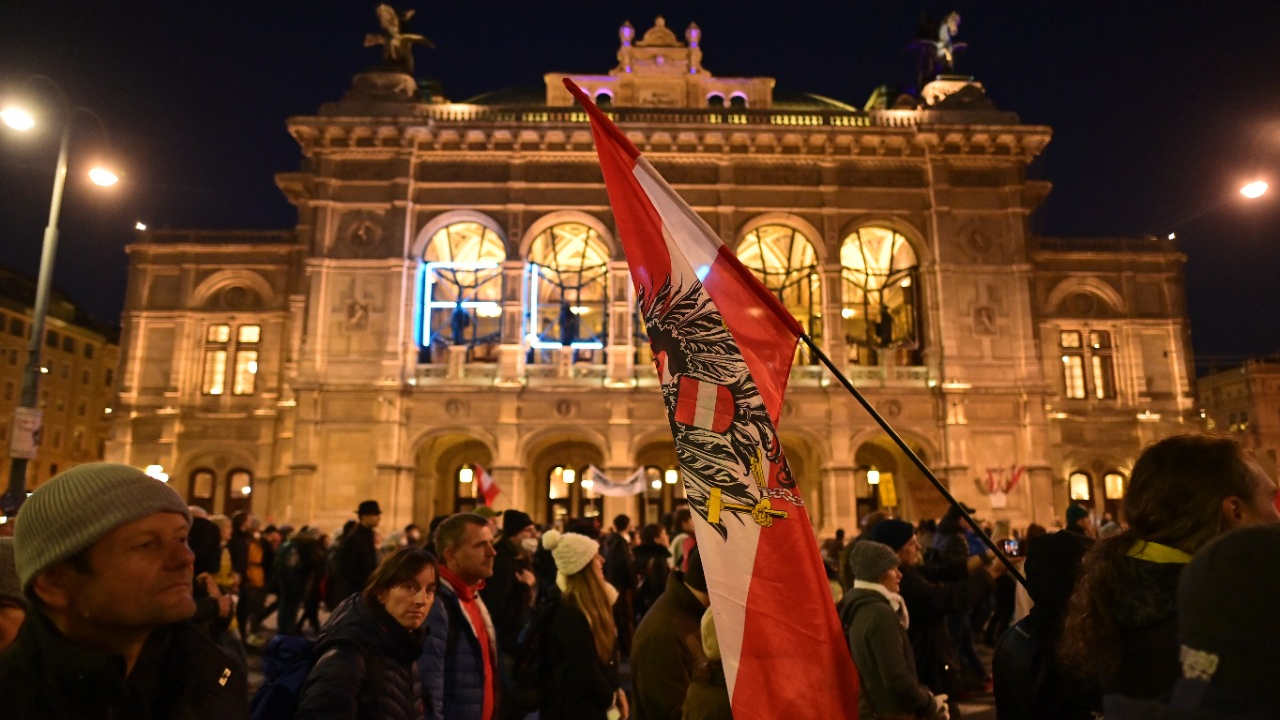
pixel 1254 190
pixel 27 417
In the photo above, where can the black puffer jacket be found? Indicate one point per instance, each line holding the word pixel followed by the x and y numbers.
pixel 1146 613
pixel 358 640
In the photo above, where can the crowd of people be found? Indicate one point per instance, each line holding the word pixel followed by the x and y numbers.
pixel 117 600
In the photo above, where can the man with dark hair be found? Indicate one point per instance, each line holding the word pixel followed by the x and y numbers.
pixel 101 552
pixel 459 664
pixel 358 555
pixel 668 644
pixel 619 572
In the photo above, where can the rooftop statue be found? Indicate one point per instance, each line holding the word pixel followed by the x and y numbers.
pixel 397 45
pixel 938 52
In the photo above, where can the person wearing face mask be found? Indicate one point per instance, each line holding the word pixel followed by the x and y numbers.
pixel 511 591
pixel 367 649
pixel 875 618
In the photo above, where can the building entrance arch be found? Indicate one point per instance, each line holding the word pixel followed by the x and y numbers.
pixel 446 474
pixel 886 480
pixel 558 470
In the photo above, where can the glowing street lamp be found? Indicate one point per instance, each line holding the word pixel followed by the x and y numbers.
pixel 873 477
pixel 1254 190
pixel 672 476
pixel 27 414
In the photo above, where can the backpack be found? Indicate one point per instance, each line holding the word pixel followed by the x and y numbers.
pixel 531 662
pixel 286 663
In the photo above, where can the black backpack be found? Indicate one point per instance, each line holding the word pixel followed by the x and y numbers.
pixel 531 661
pixel 286 663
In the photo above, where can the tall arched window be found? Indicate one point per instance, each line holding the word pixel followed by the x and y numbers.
pixel 462 291
pixel 880 276
pixel 567 292
pixel 785 261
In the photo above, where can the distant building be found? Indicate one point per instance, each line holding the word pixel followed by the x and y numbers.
pixel 1245 402
pixel 79 358
pixel 454 296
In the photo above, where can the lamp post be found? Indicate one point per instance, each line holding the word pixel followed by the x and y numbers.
pixel 27 416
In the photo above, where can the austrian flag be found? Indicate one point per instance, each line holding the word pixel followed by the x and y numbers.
pixel 722 347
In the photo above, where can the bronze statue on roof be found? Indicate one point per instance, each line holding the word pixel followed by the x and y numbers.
pixel 397 45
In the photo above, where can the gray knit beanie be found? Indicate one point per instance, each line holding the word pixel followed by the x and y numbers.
pixel 871 560
pixel 10 588
pixel 76 508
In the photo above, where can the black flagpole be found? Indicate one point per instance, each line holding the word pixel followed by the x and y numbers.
pixel 915 459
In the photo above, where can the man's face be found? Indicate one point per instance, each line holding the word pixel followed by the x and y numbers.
pixel 139 576
pixel 472 559
pixel 529 532
pixel 910 552
pixel 11 617
pixel 370 521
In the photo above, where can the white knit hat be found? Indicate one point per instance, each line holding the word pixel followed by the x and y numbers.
pixel 571 551
pixel 79 506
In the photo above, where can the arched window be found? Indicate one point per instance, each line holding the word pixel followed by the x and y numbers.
pixel 567 292
pixel 715 101
pixel 1078 486
pixel 238 489
pixel 200 492
pixel 738 101
pixel 663 492
pixel 880 276
pixel 785 261
pixel 462 291
pixel 604 99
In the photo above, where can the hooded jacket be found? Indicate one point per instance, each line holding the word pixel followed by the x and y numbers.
pixel 180 675
pixel 883 656
pixel 357 640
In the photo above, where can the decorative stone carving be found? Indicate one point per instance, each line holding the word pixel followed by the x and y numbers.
pixel 566 409
pixel 984 320
pixel 357 316
pixel 397 45
pixel 891 408
pixel 456 408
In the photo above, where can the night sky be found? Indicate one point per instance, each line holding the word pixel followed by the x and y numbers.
pixel 1160 110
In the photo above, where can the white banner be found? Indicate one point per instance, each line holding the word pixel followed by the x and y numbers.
pixel 25 441
pixel 602 485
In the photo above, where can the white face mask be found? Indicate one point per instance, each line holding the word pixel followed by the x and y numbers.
pixel 529 544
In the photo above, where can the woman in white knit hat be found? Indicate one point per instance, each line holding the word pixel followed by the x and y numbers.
pixel 583 655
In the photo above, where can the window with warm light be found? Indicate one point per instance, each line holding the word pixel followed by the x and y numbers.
pixel 1078 485
pixel 785 261
pixel 1088 368
pixel 1113 486
pixel 567 292
pixel 240 484
pixel 243 354
pixel 879 294
pixel 462 292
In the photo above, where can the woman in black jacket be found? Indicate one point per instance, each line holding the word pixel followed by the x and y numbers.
pixel 582 648
pixel 368 647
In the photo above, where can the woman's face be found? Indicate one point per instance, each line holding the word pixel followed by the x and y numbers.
pixel 892 580
pixel 409 601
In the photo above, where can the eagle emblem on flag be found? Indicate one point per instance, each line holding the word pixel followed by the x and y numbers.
pixel 721 428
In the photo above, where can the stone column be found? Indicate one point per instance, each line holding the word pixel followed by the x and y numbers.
pixel 621 343
pixel 511 349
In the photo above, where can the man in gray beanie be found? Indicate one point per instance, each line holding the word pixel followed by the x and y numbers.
pixel 101 553
pixel 875 619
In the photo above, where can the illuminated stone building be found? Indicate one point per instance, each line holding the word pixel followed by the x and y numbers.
pixel 454 297
pixel 1245 401
pixel 79 358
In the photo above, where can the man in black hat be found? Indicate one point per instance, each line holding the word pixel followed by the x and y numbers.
pixel 359 552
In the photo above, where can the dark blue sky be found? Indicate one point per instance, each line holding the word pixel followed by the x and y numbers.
pixel 1159 110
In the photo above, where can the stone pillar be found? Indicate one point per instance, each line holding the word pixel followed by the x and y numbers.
pixel 621 344
pixel 510 480
pixel 457 366
pixel 300 502
pixel 511 349
pixel 841 507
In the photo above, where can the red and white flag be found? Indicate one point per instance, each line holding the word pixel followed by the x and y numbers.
pixel 724 347
pixel 488 488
